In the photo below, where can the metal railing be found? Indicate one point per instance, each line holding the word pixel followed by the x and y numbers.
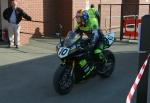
pixel 120 15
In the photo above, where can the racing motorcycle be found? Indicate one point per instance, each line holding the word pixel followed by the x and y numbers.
pixel 78 64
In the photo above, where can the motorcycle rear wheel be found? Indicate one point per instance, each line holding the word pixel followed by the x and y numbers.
pixel 106 70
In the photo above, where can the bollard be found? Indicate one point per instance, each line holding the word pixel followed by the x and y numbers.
pixel 144 48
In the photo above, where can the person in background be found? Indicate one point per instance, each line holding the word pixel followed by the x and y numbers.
pixel 14 15
pixel 94 15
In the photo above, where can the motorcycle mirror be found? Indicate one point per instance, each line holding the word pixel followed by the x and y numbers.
pixel 58 34
pixel 60 27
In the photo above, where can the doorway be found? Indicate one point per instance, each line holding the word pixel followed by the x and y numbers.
pixel 3 23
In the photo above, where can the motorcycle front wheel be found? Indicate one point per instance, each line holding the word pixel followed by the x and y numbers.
pixel 63 81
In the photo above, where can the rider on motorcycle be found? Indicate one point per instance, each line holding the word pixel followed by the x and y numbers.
pixel 91 29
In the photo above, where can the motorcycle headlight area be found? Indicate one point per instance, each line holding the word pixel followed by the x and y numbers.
pixel 73 47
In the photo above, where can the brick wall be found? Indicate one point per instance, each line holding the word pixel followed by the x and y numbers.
pixel 64 15
pixel 33 8
pixel 130 9
pixel 54 12
pixel 144 9
pixel 115 12
pixel 105 16
pixel 144 1
pixel 111 1
pixel 51 12
pixel 0 19
pixel 49 8
pixel 39 10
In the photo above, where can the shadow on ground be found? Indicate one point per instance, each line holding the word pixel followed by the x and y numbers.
pixel 31 82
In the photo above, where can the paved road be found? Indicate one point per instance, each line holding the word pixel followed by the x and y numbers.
pixel 30 81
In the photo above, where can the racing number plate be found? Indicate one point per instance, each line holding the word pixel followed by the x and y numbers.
pixel 63 52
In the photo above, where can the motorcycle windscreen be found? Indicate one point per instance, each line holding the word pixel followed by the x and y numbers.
pixel 110 37
pixel 71 38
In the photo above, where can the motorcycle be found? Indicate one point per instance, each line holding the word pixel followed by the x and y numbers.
pixel 76 63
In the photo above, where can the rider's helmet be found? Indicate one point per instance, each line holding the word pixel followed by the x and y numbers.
pixel 82 17
pixel 79 16
pixel 85 17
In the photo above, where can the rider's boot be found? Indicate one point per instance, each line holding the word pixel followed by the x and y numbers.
pixel 100 56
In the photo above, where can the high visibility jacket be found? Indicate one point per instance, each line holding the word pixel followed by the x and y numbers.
pixel 86 28
pixel 93 18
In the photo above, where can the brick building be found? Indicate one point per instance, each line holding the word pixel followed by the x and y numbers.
pixel 50 13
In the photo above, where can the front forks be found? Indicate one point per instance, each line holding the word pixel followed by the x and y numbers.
pixel 73 66
pixel 70 65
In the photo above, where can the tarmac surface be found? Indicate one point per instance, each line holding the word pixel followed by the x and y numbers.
pixel 26 75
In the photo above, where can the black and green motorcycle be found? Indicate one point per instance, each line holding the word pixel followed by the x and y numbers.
pixel 78 64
